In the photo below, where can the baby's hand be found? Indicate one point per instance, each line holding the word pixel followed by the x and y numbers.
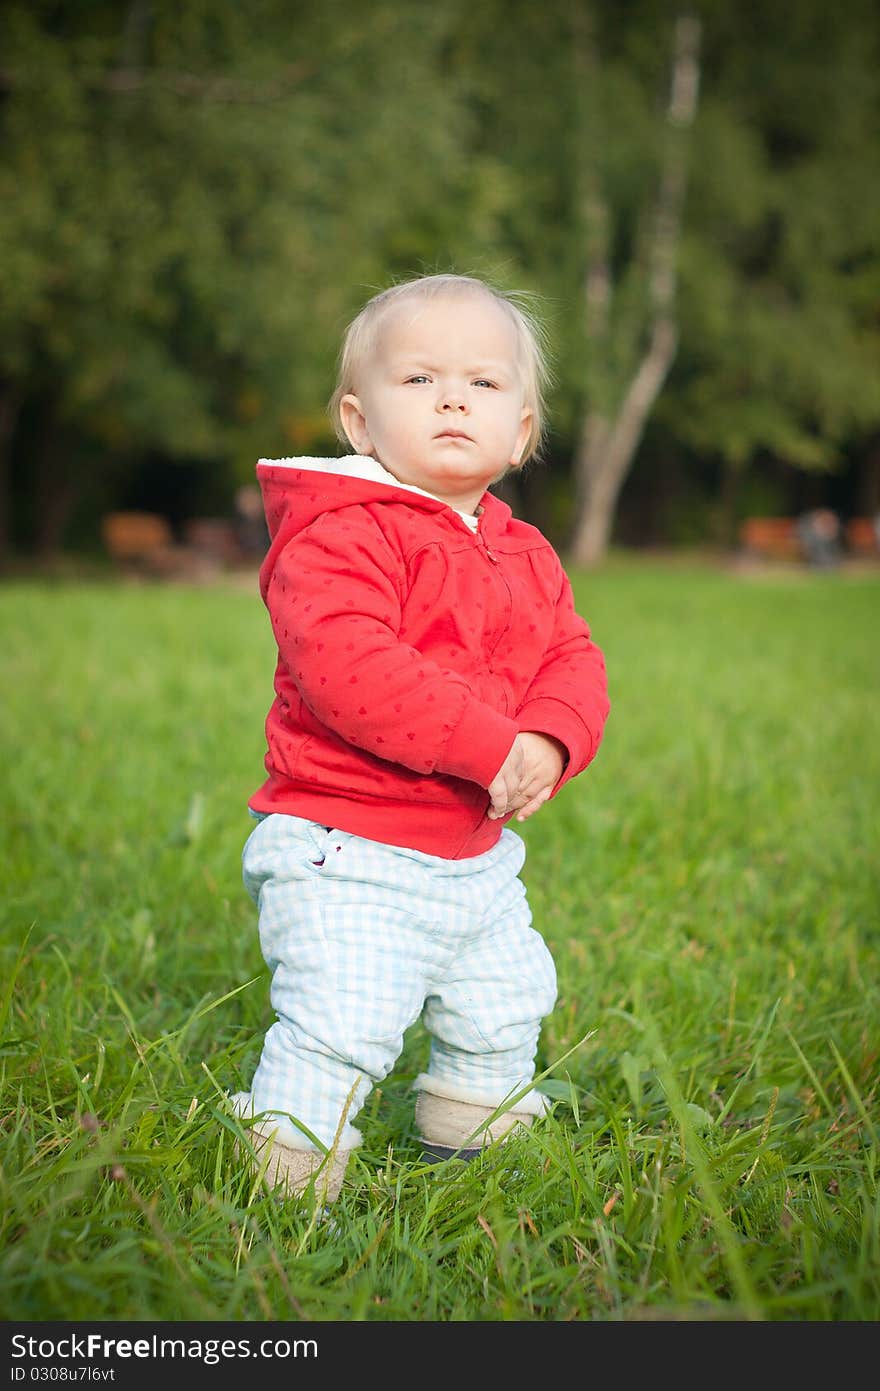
pixel 504 787
pixel 543 761
pixel 527 776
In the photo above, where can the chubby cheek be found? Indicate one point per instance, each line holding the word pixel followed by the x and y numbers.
pixel 502 438
pixel 398 436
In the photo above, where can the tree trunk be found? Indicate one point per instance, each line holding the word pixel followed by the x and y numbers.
pixel 868 501
pixel 55 491
pixel 607 450
pixel 611 435
pixel 10 406
pixel 728 501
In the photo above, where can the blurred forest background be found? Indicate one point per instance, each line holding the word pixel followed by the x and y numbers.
pixel 197 195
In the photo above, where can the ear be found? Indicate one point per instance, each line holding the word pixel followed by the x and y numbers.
pixel 354 423
pixel 525 427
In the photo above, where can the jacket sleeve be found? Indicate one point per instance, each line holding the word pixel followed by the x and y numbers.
pixel 336 610
pixel 568 698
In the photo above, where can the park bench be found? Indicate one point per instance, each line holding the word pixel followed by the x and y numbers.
pixel 862 537
pixel 143 543
pixel 801 538
pixel 771 538
pixel 136 538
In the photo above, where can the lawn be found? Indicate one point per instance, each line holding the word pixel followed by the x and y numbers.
pixel 709 889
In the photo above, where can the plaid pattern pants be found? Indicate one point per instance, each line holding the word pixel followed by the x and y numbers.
pixel 361 939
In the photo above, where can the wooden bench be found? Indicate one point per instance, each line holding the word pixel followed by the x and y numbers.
pixel 142 543
pixel 771 538
pixel 135 537
pixel 861 536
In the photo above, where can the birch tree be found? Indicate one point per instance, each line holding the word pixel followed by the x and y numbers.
pixel 630 348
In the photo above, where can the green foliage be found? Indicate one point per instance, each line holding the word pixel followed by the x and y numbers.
pixel 708 889
pixel 781 267
pixel 201 214
pixel 195 197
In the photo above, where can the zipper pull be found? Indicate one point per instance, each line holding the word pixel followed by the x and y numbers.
pixel 491 555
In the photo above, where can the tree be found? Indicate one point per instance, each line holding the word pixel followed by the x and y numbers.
pixel 193 199
pixel 780 335
pixel 770 343
pixel 631 348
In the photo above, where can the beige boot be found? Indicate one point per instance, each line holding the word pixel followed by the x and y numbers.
pixel 460 1128
pixel 291 1170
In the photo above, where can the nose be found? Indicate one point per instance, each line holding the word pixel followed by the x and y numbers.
pixel 452 399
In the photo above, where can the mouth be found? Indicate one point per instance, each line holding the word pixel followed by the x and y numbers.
pixel 453 435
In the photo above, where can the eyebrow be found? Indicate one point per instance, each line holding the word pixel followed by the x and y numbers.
pixel 415 363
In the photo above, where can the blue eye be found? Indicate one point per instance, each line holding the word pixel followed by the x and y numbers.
pixel 416 380
pixel 482 381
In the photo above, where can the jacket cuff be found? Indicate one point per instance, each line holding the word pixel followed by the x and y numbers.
pixel 479 744
pixel 549 716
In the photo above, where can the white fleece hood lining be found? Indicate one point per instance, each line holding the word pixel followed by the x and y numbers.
pixel 360 466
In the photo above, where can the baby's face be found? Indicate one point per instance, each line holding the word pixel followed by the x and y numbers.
pixel 441 402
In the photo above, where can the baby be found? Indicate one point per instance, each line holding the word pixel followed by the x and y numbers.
pixel 433 681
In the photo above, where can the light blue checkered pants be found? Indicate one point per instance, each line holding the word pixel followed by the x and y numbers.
pixel 363 938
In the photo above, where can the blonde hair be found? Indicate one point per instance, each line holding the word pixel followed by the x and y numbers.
pixel 360 337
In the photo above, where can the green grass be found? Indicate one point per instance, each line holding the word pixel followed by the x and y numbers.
pixel 709 890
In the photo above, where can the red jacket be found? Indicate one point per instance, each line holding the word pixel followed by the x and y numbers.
pixel 411 651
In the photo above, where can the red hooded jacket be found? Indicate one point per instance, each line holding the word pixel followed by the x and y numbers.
pixel 411 652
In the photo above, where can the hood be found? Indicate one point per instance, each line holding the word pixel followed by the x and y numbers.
pixel 298 490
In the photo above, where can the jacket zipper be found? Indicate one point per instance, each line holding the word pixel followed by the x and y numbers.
pixel 489 554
